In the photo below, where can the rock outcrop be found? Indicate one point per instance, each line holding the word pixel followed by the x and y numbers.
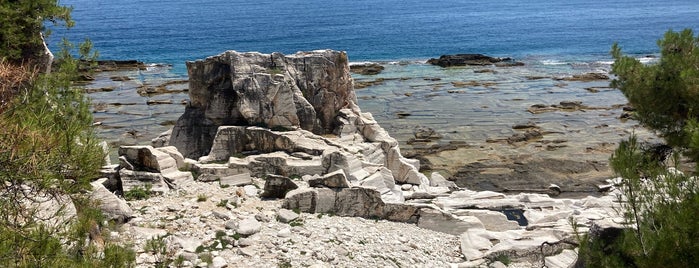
pixel 305 90
pixel 291 116
pixel 472 59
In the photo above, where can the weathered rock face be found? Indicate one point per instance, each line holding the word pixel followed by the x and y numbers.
pixel 305 90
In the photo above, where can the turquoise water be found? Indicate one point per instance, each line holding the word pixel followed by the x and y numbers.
pixel 176 31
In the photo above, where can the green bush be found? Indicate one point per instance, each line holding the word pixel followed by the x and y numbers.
pixel 661 203
pixel 660 209
pixel 664 94
pixel 138 193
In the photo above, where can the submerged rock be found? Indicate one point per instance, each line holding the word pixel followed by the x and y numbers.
pixel 471 59
pixel 366 68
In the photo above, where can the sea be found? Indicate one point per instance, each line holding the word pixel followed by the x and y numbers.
pixel 176 31
pixel 468 105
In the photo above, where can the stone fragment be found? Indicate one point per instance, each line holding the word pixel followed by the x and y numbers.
pixel 334 179
pixel 248 226
pixel 245 242
pixel 247 252
pixel 250 190
pixel 219 262
pixel 145 165
pixel 206 177
pixel 284 233
pixel 366 68
pixel 286 216
pixel 221 214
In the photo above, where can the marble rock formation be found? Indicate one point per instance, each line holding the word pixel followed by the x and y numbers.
pixel 293 116
pixel 305 90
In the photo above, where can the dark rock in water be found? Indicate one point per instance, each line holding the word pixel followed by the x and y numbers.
pixel 570 105
pixel 305 90
pixel 526 136
pixel 509 63
pixel 426 133
pixel 585 77
pixel 471 59
pixel 120 78
pixel 528 125
pixel 366 68
pixel 363 84
pixel 116 65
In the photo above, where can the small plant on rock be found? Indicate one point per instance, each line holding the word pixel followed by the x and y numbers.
pixel 201 198
pixel 222 203
pixel 158 247
pixel 138 193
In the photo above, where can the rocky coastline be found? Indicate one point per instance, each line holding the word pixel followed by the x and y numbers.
pixel 273 163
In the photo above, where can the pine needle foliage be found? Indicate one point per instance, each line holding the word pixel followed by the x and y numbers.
pixel 659 204
pixel 48 150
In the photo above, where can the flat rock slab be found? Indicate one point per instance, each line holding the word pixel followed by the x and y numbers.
pixel 236 180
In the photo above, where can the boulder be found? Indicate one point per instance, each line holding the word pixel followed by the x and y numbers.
pixel 334 179
pixel 285 215
pixel 304 90
pixel 248 226
pixel 359 202
pixel 366 68
pixel 113 207
pixel 277 186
